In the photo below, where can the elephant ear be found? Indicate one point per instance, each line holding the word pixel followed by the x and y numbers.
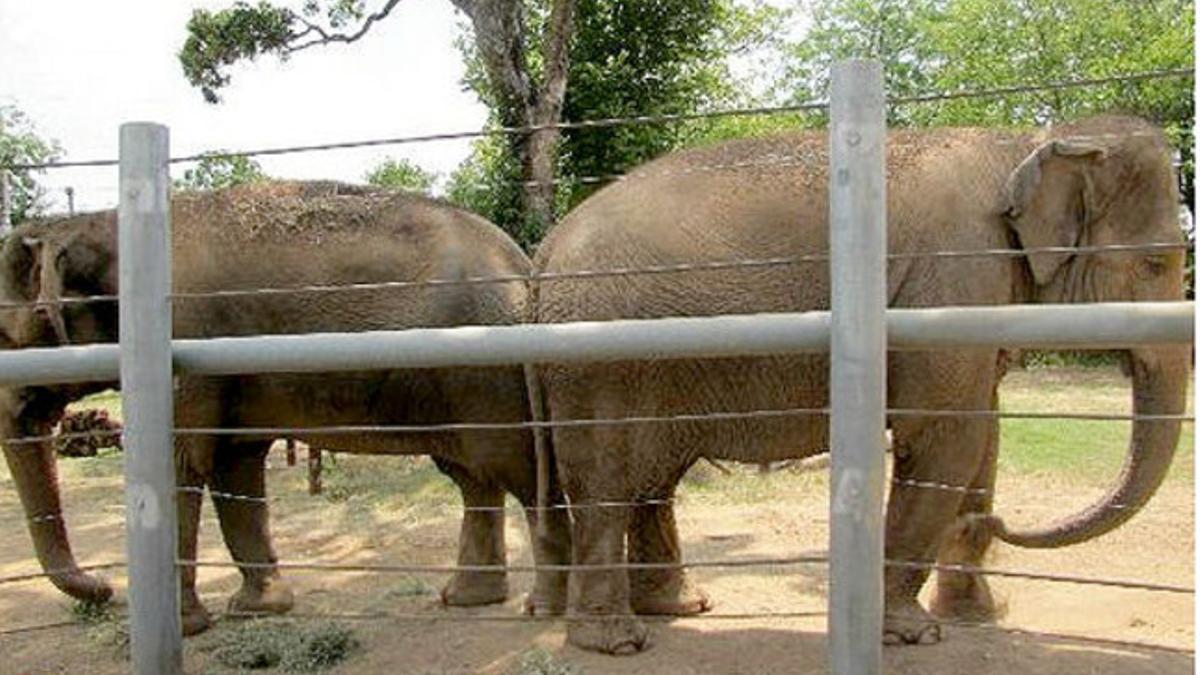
pixel 1049 200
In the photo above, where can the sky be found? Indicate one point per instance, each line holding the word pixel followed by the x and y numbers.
pixel 81 68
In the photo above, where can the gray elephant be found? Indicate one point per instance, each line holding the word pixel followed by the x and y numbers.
pixel 1105 180
pixel 292 235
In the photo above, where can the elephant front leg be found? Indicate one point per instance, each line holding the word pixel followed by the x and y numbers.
pixel 654 538
pixel 966 596
pixel 600 618
pixel 919 516
pixel 34 471
pixel 480 542
pixel 239 495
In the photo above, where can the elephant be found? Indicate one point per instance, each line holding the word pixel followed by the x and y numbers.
pixel 292 235
pixel 1104 180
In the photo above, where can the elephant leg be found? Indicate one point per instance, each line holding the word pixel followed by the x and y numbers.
pixel 481 541
pixel 946 451
pixel 600 618
pixel 654 538
pixel 550 531
pixel 189 502
pixel 967 596
pixel 239 470
pixel 34 471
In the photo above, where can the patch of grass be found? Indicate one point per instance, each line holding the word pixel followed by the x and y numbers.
pixel 103 626
pixel 283 645
pixel 1085 448
pixel 541 662
pixel 410 587
pixel 90 613
pixel 376 480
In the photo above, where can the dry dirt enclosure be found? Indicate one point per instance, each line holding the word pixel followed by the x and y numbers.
pixel 395 510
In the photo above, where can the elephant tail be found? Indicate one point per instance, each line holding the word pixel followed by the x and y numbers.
pixel 539 416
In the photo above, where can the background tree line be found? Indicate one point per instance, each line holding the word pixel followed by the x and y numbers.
pixel 535 63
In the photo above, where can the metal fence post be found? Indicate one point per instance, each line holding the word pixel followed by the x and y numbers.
pixel 858 344
pixel 144 229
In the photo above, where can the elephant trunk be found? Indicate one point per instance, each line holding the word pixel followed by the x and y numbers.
pixel 1159 389
pixel 34 472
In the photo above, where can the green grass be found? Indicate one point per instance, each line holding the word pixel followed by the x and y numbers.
pixel 1084 448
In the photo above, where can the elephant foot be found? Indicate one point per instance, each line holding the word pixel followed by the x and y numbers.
pixel 910 624
pixel 272 595
pixel 678 596
pixel 616 635
pixel 549 595
pixel 82 586
pixel 471 589
pixel 195 619
pixel 965 598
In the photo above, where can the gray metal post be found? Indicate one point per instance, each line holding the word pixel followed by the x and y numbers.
pixel 858 342
pixel 5 202
pixel 144 232
pixel 70 200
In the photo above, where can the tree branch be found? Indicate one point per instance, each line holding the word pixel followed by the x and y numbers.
pixel 557 58
pixel 327 38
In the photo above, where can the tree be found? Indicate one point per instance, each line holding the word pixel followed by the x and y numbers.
pixel 215 170
pixel 528 86
pixel 930 46
pixel 628 59
pixel 402 174
pixel 20 143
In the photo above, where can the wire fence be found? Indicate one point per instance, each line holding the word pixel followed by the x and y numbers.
pixel 696 267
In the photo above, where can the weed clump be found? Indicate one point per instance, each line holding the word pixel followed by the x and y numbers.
pixel 270 644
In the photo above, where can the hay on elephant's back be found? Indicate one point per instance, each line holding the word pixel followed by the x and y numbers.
pixel 312 212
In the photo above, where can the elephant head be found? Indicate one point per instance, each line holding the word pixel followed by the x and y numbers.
pixel 1101 182
pixel 40 264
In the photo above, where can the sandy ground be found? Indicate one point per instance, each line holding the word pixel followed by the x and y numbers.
pixel 779 515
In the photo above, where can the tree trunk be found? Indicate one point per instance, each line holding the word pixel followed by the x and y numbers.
pixel 500 37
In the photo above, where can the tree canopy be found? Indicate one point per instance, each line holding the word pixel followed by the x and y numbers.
pixel 402 174
pixel 216 170
pixel 20 143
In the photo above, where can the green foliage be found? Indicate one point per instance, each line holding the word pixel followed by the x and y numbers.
pixel 215 171
pixel 628 59
pixel 541 662
pixel 265 644
pixel 402 174
pixel 217 40
pixel 21 144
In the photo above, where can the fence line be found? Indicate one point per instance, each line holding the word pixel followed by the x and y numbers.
pixel 732 563
pixel 640 120
pixel 720 416
pixel 544 277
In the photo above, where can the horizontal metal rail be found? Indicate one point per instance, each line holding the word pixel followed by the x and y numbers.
pixel 1079 326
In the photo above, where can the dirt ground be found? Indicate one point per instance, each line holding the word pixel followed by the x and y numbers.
pixel 362 520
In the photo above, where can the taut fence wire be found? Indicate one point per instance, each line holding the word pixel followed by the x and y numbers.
pixel 639 120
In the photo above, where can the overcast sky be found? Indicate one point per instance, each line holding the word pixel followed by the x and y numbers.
pixel 80 68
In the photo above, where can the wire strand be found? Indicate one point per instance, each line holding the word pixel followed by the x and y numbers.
pixel 636 120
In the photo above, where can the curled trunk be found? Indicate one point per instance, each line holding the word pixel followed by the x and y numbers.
pixel 1159 389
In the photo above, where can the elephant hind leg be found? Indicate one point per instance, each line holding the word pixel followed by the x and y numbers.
pixel 480 543
pixel 600 618
pixel 239 495
pixel 654 538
